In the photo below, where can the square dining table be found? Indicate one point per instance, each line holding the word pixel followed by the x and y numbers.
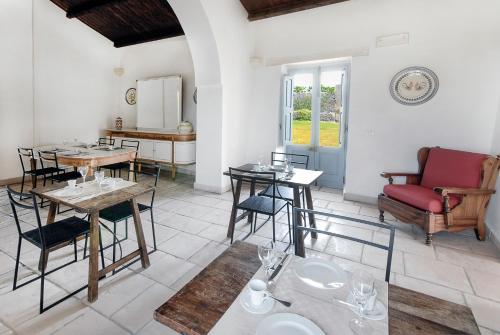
pixel 91 204
pixel 300 178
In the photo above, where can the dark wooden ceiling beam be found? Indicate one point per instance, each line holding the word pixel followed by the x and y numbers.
pixel 149 36
pixel 286 8
pixel 88 7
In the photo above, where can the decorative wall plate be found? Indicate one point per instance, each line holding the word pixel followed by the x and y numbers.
pixel 130 96
pixel 414 85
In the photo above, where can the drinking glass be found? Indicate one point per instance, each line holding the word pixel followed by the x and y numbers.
pixel 99 177
pixel 267 255
pixel 84 170
pixel 260 161
pixel 362 286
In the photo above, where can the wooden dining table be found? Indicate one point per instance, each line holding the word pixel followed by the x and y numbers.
pixel 299 179
pixel 90 156
pixel 91 205
pixel 198 307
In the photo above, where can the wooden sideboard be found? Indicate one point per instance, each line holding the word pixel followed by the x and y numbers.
pixel 160 146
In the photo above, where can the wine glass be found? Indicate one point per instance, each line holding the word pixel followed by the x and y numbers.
pixel 267 255
pixel 362 287
pixel 84 170
pixel 99 177
pixel 260 162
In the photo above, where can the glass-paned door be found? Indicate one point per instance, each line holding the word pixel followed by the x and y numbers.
pixel 315 121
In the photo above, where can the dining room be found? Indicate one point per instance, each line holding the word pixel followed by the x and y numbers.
pixel 249 167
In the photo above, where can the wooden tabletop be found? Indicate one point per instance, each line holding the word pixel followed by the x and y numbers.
pixel 197 307
pixel 97 203
pixel 300 177
pixel 93 157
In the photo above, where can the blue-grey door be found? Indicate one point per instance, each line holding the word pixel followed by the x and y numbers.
pixel 315 118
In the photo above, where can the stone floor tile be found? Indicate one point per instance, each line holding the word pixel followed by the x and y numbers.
pixel 431 289
pixel 167 269
pixel 437 272
pixel 485 311
pixel 183 245
pixel 91 322
pixel 468 260
pixel 378 258
pixel 139 312
pixel 156 328
pixel 485 284
pixel 184 223
pixel 206 255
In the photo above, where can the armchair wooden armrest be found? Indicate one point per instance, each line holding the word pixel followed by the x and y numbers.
pixel 445 191
pixel 411 178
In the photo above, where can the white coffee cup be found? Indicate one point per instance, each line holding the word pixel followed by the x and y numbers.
pixel 72 183
pixel 258 291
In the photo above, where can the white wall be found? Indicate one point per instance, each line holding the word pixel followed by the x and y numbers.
pixel 16 91
pixel 493 216
pixel 458 39
pixel 156 59
pixel 68 66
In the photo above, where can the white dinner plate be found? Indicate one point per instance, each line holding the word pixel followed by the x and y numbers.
pixel 320 273
pixel 287 324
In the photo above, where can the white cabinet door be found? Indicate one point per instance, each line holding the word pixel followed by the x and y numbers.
pixel 163 151
pixel 146 149
pixel 185 152
pixel 150 103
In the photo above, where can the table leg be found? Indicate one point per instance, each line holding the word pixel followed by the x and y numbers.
pixel 309 202
pixel 131 171
pixel 50 219
pixel 234 211
pixel 140 234
pixel 252 193
pixel 93 280
pixel 90 171
pixel 33 176
pixel 299 235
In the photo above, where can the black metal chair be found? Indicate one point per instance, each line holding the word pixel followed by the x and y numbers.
pixel 257 204
pixel 28 155
pixel 106 141
pixel 123 165
pixel 49 237
pixel 299 212
pixel 49 159
pixel 123 211
pixel 282 191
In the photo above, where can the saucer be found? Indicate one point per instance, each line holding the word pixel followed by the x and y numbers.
pixel 246 303
pixel 379 312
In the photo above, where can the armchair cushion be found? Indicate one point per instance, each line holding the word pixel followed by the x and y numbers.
pixel 452 168
pixel 419 197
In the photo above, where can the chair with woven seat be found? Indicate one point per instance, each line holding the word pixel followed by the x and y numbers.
pixel 257 204
pixel 47 238
pixel 450 192
pixel 26 155
pixel 48 159
pixel 123 165
pixel 106 141
pixel 123 211
pixel 286 192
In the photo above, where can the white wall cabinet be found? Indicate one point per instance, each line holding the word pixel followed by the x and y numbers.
pixel 163 151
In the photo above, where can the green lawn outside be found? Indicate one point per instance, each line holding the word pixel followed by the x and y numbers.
pixel 329 133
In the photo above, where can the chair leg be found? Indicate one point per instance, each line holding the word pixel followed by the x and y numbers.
pixel 126 229
pixel 428 238
pixel 42 282
pixel 16 270
pixel 254 229
pixel 85 247
pixel 289 227
pixel 102 249
pixel 22 187
pixel 381 216
pixel 274 229
pixel 74 248
pixel 114 242
pixel 153 229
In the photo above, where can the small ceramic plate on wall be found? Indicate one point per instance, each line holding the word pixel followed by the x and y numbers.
pixel 130 96
pixel 414 85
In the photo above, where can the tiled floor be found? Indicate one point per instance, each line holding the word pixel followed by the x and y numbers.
pixel 191 231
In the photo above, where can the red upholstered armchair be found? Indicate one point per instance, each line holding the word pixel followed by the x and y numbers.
pixel 450 192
